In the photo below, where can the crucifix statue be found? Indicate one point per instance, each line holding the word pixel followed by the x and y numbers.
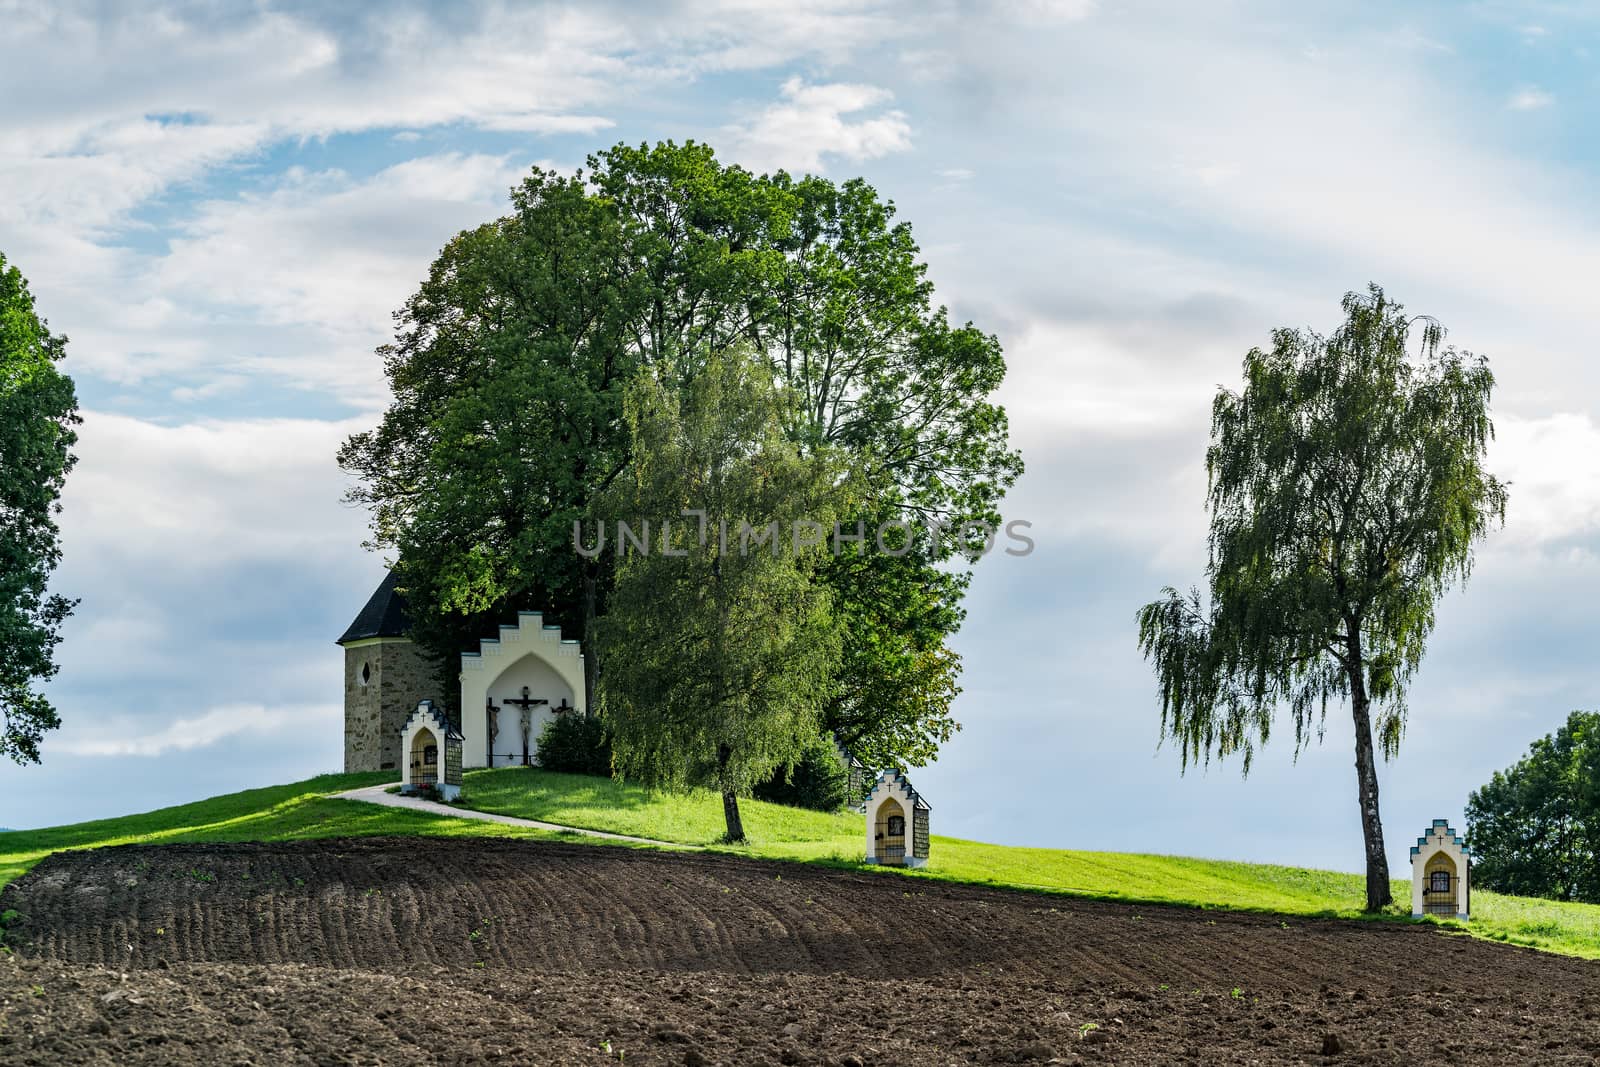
pixel 526 704
pixel 494 725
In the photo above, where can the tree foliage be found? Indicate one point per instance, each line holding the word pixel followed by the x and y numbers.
pixel 38 410
pixel 898 679
pixel 508 370
pixel 1347 491
pixel 507 376
pixel 714 651
pixel 575 744
pixel 1535 828
pixel 817 779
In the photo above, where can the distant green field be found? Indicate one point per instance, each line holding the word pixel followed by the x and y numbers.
pixel 305 810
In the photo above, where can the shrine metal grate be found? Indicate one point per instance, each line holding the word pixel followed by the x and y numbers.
pixel 1439 895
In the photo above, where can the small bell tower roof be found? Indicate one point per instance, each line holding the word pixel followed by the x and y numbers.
pixel 384 616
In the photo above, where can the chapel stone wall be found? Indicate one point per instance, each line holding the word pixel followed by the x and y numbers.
pixel 384 679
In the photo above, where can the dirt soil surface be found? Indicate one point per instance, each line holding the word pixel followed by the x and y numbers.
pixel 409 951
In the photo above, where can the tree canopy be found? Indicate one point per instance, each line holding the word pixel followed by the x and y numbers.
pixel 1347 491
pixel 508 370
pixel 715 647
pixel 1535 828
pixel 38 410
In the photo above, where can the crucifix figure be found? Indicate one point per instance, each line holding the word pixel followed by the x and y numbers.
pixel 526 704
pixel 494 725
pixel 563 707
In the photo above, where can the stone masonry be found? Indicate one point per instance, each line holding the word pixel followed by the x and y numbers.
pixel 384 679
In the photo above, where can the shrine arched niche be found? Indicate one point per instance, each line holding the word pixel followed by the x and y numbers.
pixel 518 703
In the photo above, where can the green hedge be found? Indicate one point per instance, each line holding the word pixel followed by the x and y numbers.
pixel 573 744
pixel 818 780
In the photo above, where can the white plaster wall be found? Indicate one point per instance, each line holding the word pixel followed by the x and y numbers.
pixel 1437 843
pixel 544 682
pixel 526 654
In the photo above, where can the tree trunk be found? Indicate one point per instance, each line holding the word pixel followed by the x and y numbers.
pixel 1379 892
pixel 730 799
pixel 730 813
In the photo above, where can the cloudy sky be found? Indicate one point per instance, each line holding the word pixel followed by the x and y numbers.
pixel 222 205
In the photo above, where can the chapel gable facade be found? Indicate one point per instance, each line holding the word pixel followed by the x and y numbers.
pixel 511 686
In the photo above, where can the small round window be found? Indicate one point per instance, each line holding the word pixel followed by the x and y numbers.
pixel 366 673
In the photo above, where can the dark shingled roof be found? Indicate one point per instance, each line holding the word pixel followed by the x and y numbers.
pixel 384 616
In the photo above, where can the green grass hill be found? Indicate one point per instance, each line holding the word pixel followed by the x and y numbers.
pixel 307 810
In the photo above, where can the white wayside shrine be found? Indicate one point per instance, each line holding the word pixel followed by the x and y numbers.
pixel 897 816
pixel 515 684
pixel 432 749
pixel 1441 874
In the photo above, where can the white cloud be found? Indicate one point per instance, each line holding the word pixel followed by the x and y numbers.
pixel 742 35
pixel 148 498
pixel 299 77
pixel 180 94
pixel 327 259
pixel 87 182
pixel 1287 180
pixel 1049 10
pixel 224 385
pixel 176 89
pixel 1530 98
pixel 1555 479
pixel 215 563
pixel 811 122
pixel 201 731
pixel 293 285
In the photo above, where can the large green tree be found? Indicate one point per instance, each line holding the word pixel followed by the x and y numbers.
pixel 1535 828
pixel 1347 492
pixel 716 645
pixel 507 374
pixel 885 376
pixel 508 366
pixel 38 410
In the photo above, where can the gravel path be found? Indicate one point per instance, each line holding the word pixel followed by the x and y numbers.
pixel 378 794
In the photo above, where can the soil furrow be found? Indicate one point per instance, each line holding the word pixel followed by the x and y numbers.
pixel 364 951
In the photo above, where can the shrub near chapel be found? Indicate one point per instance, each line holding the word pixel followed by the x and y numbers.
pixel 575 744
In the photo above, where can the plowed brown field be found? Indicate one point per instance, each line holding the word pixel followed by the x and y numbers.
pixel 436 950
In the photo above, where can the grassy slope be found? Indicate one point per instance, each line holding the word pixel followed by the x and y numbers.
pixel 789 833
pixel 304 810
pixel 277 813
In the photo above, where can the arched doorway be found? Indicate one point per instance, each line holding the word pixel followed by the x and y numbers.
pixel 423 761
pixel 1439 886
pixel 889 838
